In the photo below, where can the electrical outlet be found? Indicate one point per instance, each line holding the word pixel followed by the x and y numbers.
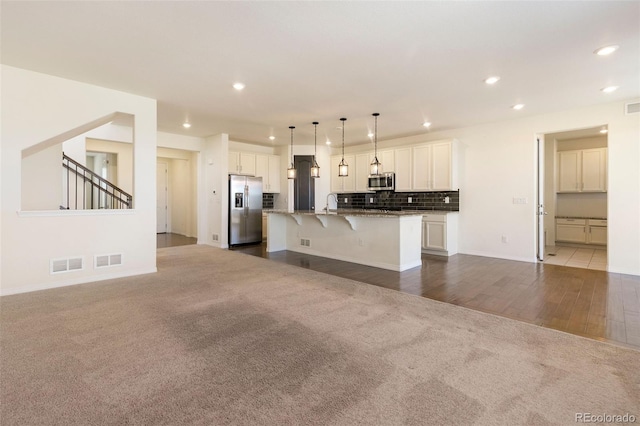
pixel 446 200
pixel 371 199
pixel 360 242
pixel 505 239
pixel 409 199
pixel 346 200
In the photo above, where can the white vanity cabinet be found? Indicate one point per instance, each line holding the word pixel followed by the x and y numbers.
pixel 581 231
pixel 440 233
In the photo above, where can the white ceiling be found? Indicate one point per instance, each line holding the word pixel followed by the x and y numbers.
pixel 319 61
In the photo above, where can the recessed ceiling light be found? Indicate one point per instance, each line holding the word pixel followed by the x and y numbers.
pixel 492 80
pixel 186 125
pixel 238 86
pixel 426 124
pixel 370 134
pixel 607 50
pixel 328 142
pixel 518 106
pixel 609 89
pixel 272 138
pixel 604 131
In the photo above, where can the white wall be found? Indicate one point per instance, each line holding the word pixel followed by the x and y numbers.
pixel 498 163
pixel 214 192
pixel 41 177
pixel 35 108
pixel 124 151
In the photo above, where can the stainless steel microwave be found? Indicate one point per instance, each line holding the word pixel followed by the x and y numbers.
pixel 382 182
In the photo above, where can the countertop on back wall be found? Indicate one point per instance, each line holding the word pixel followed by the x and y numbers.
pixel 581 217
pixel 361 212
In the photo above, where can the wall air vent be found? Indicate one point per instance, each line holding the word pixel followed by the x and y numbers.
pixel 71 264
pixel 632 108
pixel 106 260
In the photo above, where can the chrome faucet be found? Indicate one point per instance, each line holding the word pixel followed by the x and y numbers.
pixel 326 207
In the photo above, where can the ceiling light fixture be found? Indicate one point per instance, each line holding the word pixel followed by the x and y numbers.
pixel 376 166
pixel 186 125
pixel 328 142
pixel 492 80
pixel 315 168
pixel 343 168
pixel 609 89
pixel 238 86
pixel 518 107
pixel 272 138
pixel 607 50
pixel 369 135
pixel 291 171
pixel 604 131
pixel 426 124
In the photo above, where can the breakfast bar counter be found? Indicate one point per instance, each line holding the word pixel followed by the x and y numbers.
pixel 383 239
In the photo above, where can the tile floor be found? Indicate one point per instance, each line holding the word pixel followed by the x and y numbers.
pixel 587 258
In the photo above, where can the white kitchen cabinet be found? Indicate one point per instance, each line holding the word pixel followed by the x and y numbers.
pixel 264 226
pixel 362 169
pixel 402 162
pixel 432 167
pixel 243 163
pixel 583 170
pixel 440 233
pixel 268 168
pixel 345 183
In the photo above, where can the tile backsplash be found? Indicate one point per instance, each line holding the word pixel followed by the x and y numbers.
pixel 389 200
pixel 268 201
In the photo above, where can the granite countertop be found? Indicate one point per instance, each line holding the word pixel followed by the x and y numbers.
pixel 360 212
pixel 581 217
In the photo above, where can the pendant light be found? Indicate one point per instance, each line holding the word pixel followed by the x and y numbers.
pixel 291 171
pixel 376 166
pixel 343 168
pixel 315 169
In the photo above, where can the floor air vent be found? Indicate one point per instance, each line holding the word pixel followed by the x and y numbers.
pixel 632 108
pixel 58 266
pixel 106 260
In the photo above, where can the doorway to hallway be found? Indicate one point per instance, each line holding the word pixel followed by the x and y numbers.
pixel 304 186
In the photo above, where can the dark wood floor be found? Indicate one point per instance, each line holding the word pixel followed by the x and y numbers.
pixel 171 240
pixel 594 304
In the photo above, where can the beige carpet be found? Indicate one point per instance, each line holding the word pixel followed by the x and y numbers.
pixel 222 338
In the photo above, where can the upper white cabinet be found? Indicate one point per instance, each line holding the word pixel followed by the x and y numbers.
pixel 363 162
pixel 268 168
pixel 424 167
pixel 433 167
pixel 583 170
pixel 345 183
pixel 243 163
pixel 402 161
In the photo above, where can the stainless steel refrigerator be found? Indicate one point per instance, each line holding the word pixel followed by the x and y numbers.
pixel 245 209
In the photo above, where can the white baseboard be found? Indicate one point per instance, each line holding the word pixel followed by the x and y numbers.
pixel 532 259
pixel 81 280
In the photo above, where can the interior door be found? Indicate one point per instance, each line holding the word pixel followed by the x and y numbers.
pixel 304 187
pixel 162 197
pixel 540 201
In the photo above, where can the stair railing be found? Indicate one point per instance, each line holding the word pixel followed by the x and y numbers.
pixel 91 191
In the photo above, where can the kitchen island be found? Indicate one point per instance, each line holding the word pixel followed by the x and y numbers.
pixel 383 239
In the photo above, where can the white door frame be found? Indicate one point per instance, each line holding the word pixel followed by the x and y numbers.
pixel 159 227
pixel 540 208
